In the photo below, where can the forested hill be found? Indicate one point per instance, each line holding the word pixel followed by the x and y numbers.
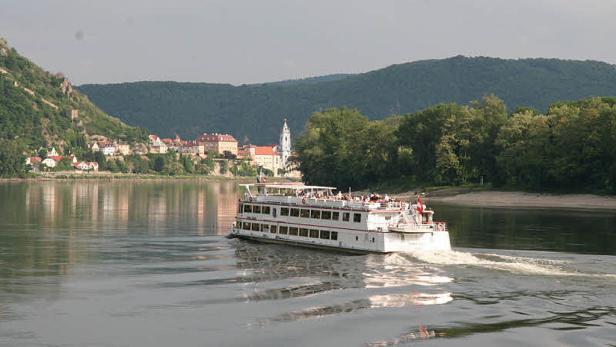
pixel 38 108
pixel 256 111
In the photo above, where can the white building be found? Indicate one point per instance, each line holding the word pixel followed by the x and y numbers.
pixel 49 162
pixel 268 158
pixel 109 150
pixel 86 166
pixel 285 143
pixel 157 145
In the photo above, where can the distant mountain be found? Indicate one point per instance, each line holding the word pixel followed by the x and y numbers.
pixel 38 108
pixel 256 111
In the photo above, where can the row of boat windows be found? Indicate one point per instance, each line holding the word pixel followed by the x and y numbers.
pixel 293 231
pixel 304 213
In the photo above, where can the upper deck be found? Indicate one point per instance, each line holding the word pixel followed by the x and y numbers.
pixel 319 196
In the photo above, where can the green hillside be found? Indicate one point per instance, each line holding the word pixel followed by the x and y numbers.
pixel 38 108
pixel 256 111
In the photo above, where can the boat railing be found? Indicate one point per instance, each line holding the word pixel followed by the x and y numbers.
pixel 327 202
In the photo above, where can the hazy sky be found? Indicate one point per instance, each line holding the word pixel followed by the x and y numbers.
pixel 98 41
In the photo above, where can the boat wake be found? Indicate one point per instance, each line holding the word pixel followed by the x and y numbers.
pixel 518 265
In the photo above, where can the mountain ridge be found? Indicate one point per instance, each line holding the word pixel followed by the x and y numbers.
pixel 255 111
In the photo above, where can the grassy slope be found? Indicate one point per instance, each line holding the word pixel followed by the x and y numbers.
pixel 30 119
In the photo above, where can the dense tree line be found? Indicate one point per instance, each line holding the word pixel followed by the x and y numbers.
pixel 570 147
pixel 256 111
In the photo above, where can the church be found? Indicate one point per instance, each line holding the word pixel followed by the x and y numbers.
pixel 274 158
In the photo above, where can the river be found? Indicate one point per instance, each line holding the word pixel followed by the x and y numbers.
pixel 145 263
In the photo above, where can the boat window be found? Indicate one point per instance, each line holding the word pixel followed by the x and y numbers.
pixel 304 213
pixel 373 239
pixel 335 215
pixel 315 214
pixel 284 211
pixel 293 231
pixel 295 212
pixel 240 208
pixel 357 217
pixel 247 208
pixel 273 229
pixel 333 235
pixel 274 212
pixel 325 234
pixel 265 210
pixel 283 230
pixel 326 215
pixel 346 216
pixel 246 226
pixel 256 209
pixel 303 232
pixel 255 226
pixel 265 227
pixel 314 233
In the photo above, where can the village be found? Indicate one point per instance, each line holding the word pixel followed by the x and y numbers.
pixel 222 153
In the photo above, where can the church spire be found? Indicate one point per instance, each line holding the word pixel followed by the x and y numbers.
pixel 285 143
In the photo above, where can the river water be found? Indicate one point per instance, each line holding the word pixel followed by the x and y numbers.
pixel 146 264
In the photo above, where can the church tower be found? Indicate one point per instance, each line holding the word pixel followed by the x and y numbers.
pixel 285 143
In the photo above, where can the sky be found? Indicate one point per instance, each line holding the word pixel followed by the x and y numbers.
pixel 254 41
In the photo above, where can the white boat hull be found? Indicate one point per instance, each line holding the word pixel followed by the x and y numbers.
pixel 358 242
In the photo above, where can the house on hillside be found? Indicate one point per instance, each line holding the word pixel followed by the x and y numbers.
pixel 157 145
pixel 218 143
pixel 34 163
pixel 86 166
pixel 108 150
pixel 50 162
pixel 192 148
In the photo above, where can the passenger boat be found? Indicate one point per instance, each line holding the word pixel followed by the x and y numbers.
pixel 313 216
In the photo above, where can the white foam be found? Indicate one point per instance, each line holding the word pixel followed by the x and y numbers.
pixel 521 265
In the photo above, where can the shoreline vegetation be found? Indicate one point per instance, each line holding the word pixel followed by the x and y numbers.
pixel 568 149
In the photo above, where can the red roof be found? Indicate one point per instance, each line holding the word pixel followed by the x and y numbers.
pixel 265 150
pixel 56 157
pixel 35 159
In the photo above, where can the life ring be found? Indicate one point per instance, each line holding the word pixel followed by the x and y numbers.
pixel 440 227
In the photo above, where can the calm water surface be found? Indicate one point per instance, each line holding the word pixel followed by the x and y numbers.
pixel 146 264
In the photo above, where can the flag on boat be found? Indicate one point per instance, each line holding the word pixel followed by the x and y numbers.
pixel 420 205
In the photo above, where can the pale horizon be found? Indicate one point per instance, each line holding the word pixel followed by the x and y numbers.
pixel 238 43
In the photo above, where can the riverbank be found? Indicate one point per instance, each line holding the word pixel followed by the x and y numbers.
pixel 490 198
pixel 104 175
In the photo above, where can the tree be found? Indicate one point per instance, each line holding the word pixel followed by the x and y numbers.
pixel 42 153
pixel 329 148
pixel 188 164
pixel 223 167
pixel 12 161
pixel 159 163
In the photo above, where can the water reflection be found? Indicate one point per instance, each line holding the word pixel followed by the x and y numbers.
pixel 383 281
pixel 158 205
pixel 47 227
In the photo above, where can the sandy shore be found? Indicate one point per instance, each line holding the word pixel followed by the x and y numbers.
pixel 519 199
